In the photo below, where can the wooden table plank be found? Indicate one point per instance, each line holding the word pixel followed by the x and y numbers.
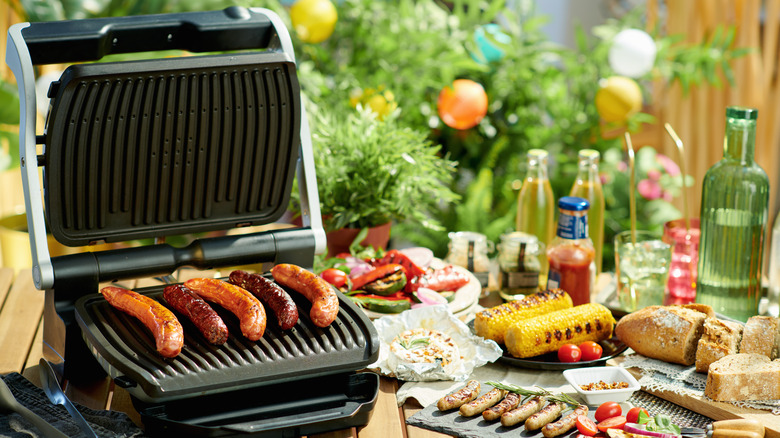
pixel 19 319
pixel 6 278
pixel 387 418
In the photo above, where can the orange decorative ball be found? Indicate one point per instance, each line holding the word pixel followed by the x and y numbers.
pixel 462 105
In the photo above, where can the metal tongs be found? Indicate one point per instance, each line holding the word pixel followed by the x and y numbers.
pixel 51 386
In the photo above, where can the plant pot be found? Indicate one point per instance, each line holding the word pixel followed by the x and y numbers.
pixel 340 240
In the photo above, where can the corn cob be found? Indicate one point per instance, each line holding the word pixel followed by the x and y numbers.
pixel 546 333
pixel 494 322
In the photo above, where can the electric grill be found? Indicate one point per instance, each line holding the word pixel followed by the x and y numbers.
pixel 150 148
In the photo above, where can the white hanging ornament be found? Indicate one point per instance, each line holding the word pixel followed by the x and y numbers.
pixel 632 53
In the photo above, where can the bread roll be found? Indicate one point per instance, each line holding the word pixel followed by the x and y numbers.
pixel 668 333
pixel 743 376
pixel 719 339
pixel 761 336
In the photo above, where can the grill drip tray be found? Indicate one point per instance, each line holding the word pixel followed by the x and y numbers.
pixel 126 350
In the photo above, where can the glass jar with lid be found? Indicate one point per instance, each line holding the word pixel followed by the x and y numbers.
pixel 470 250
pixel 519 264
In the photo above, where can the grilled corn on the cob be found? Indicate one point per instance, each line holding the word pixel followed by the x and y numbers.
pixel 546 333
pixel 494 322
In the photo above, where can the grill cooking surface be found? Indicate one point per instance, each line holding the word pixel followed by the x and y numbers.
pixel 127 350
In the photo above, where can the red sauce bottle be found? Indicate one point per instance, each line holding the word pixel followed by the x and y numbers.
pixel 571 252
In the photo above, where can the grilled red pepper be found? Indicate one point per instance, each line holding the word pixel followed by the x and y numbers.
pixel 376 274
pixel 444 279
pixel 398 258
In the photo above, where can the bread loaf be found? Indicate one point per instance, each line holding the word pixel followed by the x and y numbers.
pixel 719 339
pixel 743 376
pixel 761 336
pixel 668 333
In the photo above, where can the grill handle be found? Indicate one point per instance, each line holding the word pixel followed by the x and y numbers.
pixel 80 274
pixel 237 28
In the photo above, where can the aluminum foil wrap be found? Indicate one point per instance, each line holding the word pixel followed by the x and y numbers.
pixel 474 350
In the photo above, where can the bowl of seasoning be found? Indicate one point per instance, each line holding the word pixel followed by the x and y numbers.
pixel 601 384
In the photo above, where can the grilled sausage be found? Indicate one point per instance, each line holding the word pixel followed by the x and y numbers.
pixel 324 301
pixel 206 320
pixel 546 415
pixel 481 403
pixel 509 402
pixel 271 295
pixel 522 413
pixel 565 424
pixel 167 330
pixel 459 397
pixel 240 302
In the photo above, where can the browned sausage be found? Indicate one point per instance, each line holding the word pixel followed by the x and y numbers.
pixel 271 295
pixel 205 319
pixel 459 397
pixel 522 413
pixel 324 301
pixel 483 402
pixel 167 330
pixel 244 305
pixel 546 415
pixel 565 424
pixel 509 402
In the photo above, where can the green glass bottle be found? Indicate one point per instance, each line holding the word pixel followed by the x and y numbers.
pixel 734 212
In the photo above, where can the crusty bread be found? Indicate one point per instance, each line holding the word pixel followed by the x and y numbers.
pixel 719 339
pixel 761 336
pixel 703 308
pixel 743 376
pixel 668 333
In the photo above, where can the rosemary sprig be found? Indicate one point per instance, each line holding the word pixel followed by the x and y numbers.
pixel 415 343
pixel 562 398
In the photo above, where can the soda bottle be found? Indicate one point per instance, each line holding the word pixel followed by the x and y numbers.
pixel 571 252
pixel 588 186
pixel 734 212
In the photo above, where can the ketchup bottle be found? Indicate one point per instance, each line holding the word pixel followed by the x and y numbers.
pixel 571 253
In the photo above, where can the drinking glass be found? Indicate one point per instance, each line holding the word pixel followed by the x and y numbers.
pixel 681 287
pixel 642 269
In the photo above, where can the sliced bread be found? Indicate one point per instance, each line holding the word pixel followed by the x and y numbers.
pixel 743 376
pixel 720 338
pixel 761 336
pixel 667 333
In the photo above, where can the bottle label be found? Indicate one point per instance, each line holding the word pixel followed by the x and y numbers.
pixel 572 227
pixel 512 281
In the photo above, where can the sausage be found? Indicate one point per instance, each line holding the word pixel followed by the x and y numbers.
pixel 324 301
pixel 483 402
pixel 509 402
pixel 546 415
pixel 206 320
pixel 522 413
pixel 565 424
pixel 167 330
pixel 270 294
pixel 248 309
pixel 459 397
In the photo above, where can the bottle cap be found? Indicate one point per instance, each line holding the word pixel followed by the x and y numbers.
pixel 741 112
pixel 591 155
pixel 573 203
pixel 538 153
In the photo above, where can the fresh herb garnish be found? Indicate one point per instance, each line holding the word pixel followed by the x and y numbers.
pixel 562 398
pixel 419 342
pixel 659 423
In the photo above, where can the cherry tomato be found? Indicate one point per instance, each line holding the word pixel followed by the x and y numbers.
pixel 608 410
pixel 586 426
pixel 334 276
pixel 612 423
pixel 591 350
pixel 633 414
pixel 569 353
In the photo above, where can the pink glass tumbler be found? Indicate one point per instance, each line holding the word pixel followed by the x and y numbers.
pixel 681 287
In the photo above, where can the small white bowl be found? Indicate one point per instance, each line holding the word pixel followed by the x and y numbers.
pixel 582 376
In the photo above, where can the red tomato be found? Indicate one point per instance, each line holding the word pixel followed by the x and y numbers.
pixel 633 414
pixel 586 426
pixel 608 410
pixel 591 350
pixel 612 423
pixel 334 276
pixel 569 353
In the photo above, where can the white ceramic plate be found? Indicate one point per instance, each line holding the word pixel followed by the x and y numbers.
pixel 464 299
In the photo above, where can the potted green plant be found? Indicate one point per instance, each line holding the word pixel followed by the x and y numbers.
pixel 372 173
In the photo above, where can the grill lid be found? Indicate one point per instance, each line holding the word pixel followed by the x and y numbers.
pixel 126 349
